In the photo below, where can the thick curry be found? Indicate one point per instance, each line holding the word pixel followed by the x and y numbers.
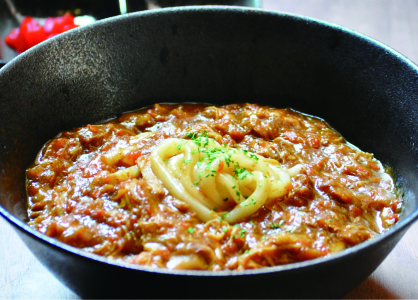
pixel 209 188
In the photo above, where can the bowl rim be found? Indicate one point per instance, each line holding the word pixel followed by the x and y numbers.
pixel 16 223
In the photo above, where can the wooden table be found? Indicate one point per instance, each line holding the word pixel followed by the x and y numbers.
pixel 392 22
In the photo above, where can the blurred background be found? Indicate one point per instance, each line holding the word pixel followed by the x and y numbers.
pixel 13 11
pixel 392 22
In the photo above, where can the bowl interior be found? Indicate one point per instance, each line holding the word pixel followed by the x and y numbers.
pixel 215 55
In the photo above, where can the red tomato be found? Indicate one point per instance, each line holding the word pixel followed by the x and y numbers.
pixel 15 40
pixel 54 26
pixel 32 32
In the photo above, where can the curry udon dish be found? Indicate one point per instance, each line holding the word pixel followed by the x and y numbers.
pixel 209 188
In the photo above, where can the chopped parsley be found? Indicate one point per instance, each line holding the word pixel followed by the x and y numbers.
pixel 277 225
pixel 191 135
pixel 255 157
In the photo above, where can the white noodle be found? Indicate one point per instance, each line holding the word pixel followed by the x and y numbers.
pixel 208 175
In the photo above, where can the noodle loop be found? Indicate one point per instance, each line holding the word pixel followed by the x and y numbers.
pixel 212 178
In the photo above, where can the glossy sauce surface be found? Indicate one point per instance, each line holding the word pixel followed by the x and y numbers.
pixel 340 198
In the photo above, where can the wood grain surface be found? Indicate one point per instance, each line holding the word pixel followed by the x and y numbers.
pixel 392 22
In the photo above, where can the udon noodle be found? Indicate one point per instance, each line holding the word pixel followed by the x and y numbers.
pixel 207 175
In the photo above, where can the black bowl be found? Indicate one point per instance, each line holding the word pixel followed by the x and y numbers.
pixel 365 90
